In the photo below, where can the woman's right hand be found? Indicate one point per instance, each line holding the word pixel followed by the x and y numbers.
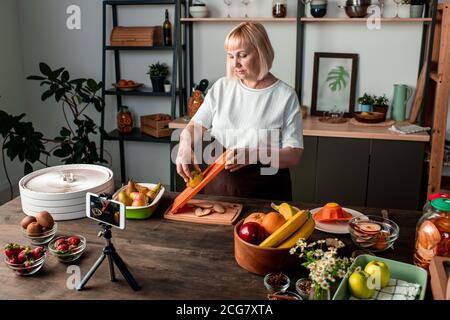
pixel 186 157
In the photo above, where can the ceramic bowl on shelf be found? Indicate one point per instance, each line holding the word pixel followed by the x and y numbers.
pixel 198 11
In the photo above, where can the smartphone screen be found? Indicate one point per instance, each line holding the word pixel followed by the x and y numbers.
pixel 107 211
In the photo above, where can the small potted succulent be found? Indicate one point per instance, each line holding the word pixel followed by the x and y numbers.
pixel 365 103
pixel 167 86
pixel 380 104
pixel 416 9
pixel 158 73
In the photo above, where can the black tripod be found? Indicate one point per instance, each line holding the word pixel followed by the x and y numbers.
pixel 110 252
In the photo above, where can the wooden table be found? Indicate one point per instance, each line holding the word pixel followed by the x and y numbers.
pixel 169 259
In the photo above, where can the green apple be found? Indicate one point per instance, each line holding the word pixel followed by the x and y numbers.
pixel 379 269
pixel 359 285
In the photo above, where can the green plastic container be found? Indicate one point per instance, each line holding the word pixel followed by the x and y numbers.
pixel 399 270
pixel 143 212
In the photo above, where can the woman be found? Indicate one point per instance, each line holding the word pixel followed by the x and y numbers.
pixel 236 110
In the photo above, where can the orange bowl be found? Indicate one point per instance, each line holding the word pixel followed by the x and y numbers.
pixel 261 261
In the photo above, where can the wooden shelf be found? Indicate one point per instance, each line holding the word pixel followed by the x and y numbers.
pixel 396 20
pixel 139 48
pixel 238 19
pixel 139 92
pixel 135 135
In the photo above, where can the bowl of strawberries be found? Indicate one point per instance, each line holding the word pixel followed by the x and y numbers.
pixel 24 260
pixel 67 248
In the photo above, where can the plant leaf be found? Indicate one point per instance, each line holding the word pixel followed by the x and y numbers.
pixel 35 78
pixel 65 76
pixel 47 94
pixel 337 78
pixel 45 69
pixel 27 168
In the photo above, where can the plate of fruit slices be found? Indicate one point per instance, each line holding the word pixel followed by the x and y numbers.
pixel 337 227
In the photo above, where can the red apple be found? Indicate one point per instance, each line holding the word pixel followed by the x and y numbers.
pixel 249 232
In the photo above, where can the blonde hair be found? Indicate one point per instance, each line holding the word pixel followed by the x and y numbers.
pixel 251 34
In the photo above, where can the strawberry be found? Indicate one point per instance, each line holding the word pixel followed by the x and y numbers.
pixel 73 240
pixel 62 247
pixel 72 247
pixel 12 250
pixel 13 260
pixel 29 265
pixel 60 241
pixel 37 252
pixel 23 255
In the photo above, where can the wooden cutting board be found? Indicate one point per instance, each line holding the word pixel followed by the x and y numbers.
pixel 186 213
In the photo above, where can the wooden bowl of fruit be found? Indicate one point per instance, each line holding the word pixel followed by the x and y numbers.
pixel 140 199
pixel 370 117
pixel 127 85
pixel 262 241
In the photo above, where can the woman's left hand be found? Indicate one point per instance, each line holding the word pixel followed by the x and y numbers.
pixel 241 157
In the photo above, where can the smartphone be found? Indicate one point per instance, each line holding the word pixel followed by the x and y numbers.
pixel 105 210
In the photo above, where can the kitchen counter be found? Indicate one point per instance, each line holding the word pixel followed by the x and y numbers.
pixel 313 127
pixel 169 259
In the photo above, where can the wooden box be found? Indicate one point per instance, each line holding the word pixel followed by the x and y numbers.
pixel 440 277
pixel 156 125
pixel 137 36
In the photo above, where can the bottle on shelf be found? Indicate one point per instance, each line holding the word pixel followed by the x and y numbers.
pixel 124 120
pixel 167 30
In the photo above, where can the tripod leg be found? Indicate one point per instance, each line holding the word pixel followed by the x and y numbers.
pixel 111 268
pixel 91 272
pixel 125 272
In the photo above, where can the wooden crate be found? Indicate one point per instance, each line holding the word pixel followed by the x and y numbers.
pixel 156 125
pixel 137 36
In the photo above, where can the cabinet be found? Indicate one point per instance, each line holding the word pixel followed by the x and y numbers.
pixel 177 84
pixel 360 172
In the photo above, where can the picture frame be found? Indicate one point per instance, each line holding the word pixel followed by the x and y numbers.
pixel 334 83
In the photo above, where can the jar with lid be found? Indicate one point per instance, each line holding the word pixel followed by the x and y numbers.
pixel 433 233
pixel 124 120
pixel 279 8
pixel 427 207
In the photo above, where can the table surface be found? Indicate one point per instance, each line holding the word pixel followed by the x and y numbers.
pixel 169 259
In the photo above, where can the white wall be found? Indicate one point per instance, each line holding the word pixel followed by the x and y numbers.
pixel 387 56
pixel 11 81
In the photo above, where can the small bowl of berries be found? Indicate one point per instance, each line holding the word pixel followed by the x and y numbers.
pixel 24 260
pixel 67 248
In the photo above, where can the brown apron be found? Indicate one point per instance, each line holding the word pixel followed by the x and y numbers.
pixel 248 182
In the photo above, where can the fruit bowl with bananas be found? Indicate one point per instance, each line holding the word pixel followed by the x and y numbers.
pixel 140 199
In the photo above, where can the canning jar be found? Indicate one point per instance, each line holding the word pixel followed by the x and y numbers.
pixel 279 8
pixel 433 233
pixel 427 207
pixel 124 120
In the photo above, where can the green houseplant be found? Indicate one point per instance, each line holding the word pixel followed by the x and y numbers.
pixel 74 144
pixel 365 103
pixel 380 104
pixel 158 73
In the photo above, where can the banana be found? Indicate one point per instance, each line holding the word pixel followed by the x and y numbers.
pixel 286 230
pixel 303 232
pixel 285 209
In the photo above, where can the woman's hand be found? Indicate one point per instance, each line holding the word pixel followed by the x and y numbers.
pixel 241 157
pixel 185 157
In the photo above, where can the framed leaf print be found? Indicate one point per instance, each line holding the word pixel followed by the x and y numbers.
pixel 334 83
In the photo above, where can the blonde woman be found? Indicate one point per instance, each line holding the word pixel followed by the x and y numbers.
pixel 253 113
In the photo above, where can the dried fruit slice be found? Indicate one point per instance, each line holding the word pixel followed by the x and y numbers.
pixel 218 208
pixel 369 227
pixel 202 212
pixel 204 205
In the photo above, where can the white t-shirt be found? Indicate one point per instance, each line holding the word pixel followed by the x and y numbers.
pixel 238 116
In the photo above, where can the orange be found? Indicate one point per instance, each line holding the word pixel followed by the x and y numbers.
pixel 272 221
pixel 130 83
pixel 257 217
pixel 122 83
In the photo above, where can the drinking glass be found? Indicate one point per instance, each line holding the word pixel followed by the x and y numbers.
pixel 397 3
pixel 246 2
pixel 228 3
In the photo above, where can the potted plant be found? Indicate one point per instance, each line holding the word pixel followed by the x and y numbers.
pixel 416 9
pixel 167 86
pixel 74 144
pixel 158 73
pixel 365 103
pixel 380 104
pixel 404 9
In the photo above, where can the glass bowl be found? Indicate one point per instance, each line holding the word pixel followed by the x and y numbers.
pixel 43 237
pixel 22 270
pixel 68 254
pixel 284 295
pixel 373 233
pixel 276 282
pixel 304 288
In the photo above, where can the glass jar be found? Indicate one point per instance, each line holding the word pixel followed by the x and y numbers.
pixel 194 102
pixel 279 8
pixel 124 120
pixel 427 207
pixel 433 233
